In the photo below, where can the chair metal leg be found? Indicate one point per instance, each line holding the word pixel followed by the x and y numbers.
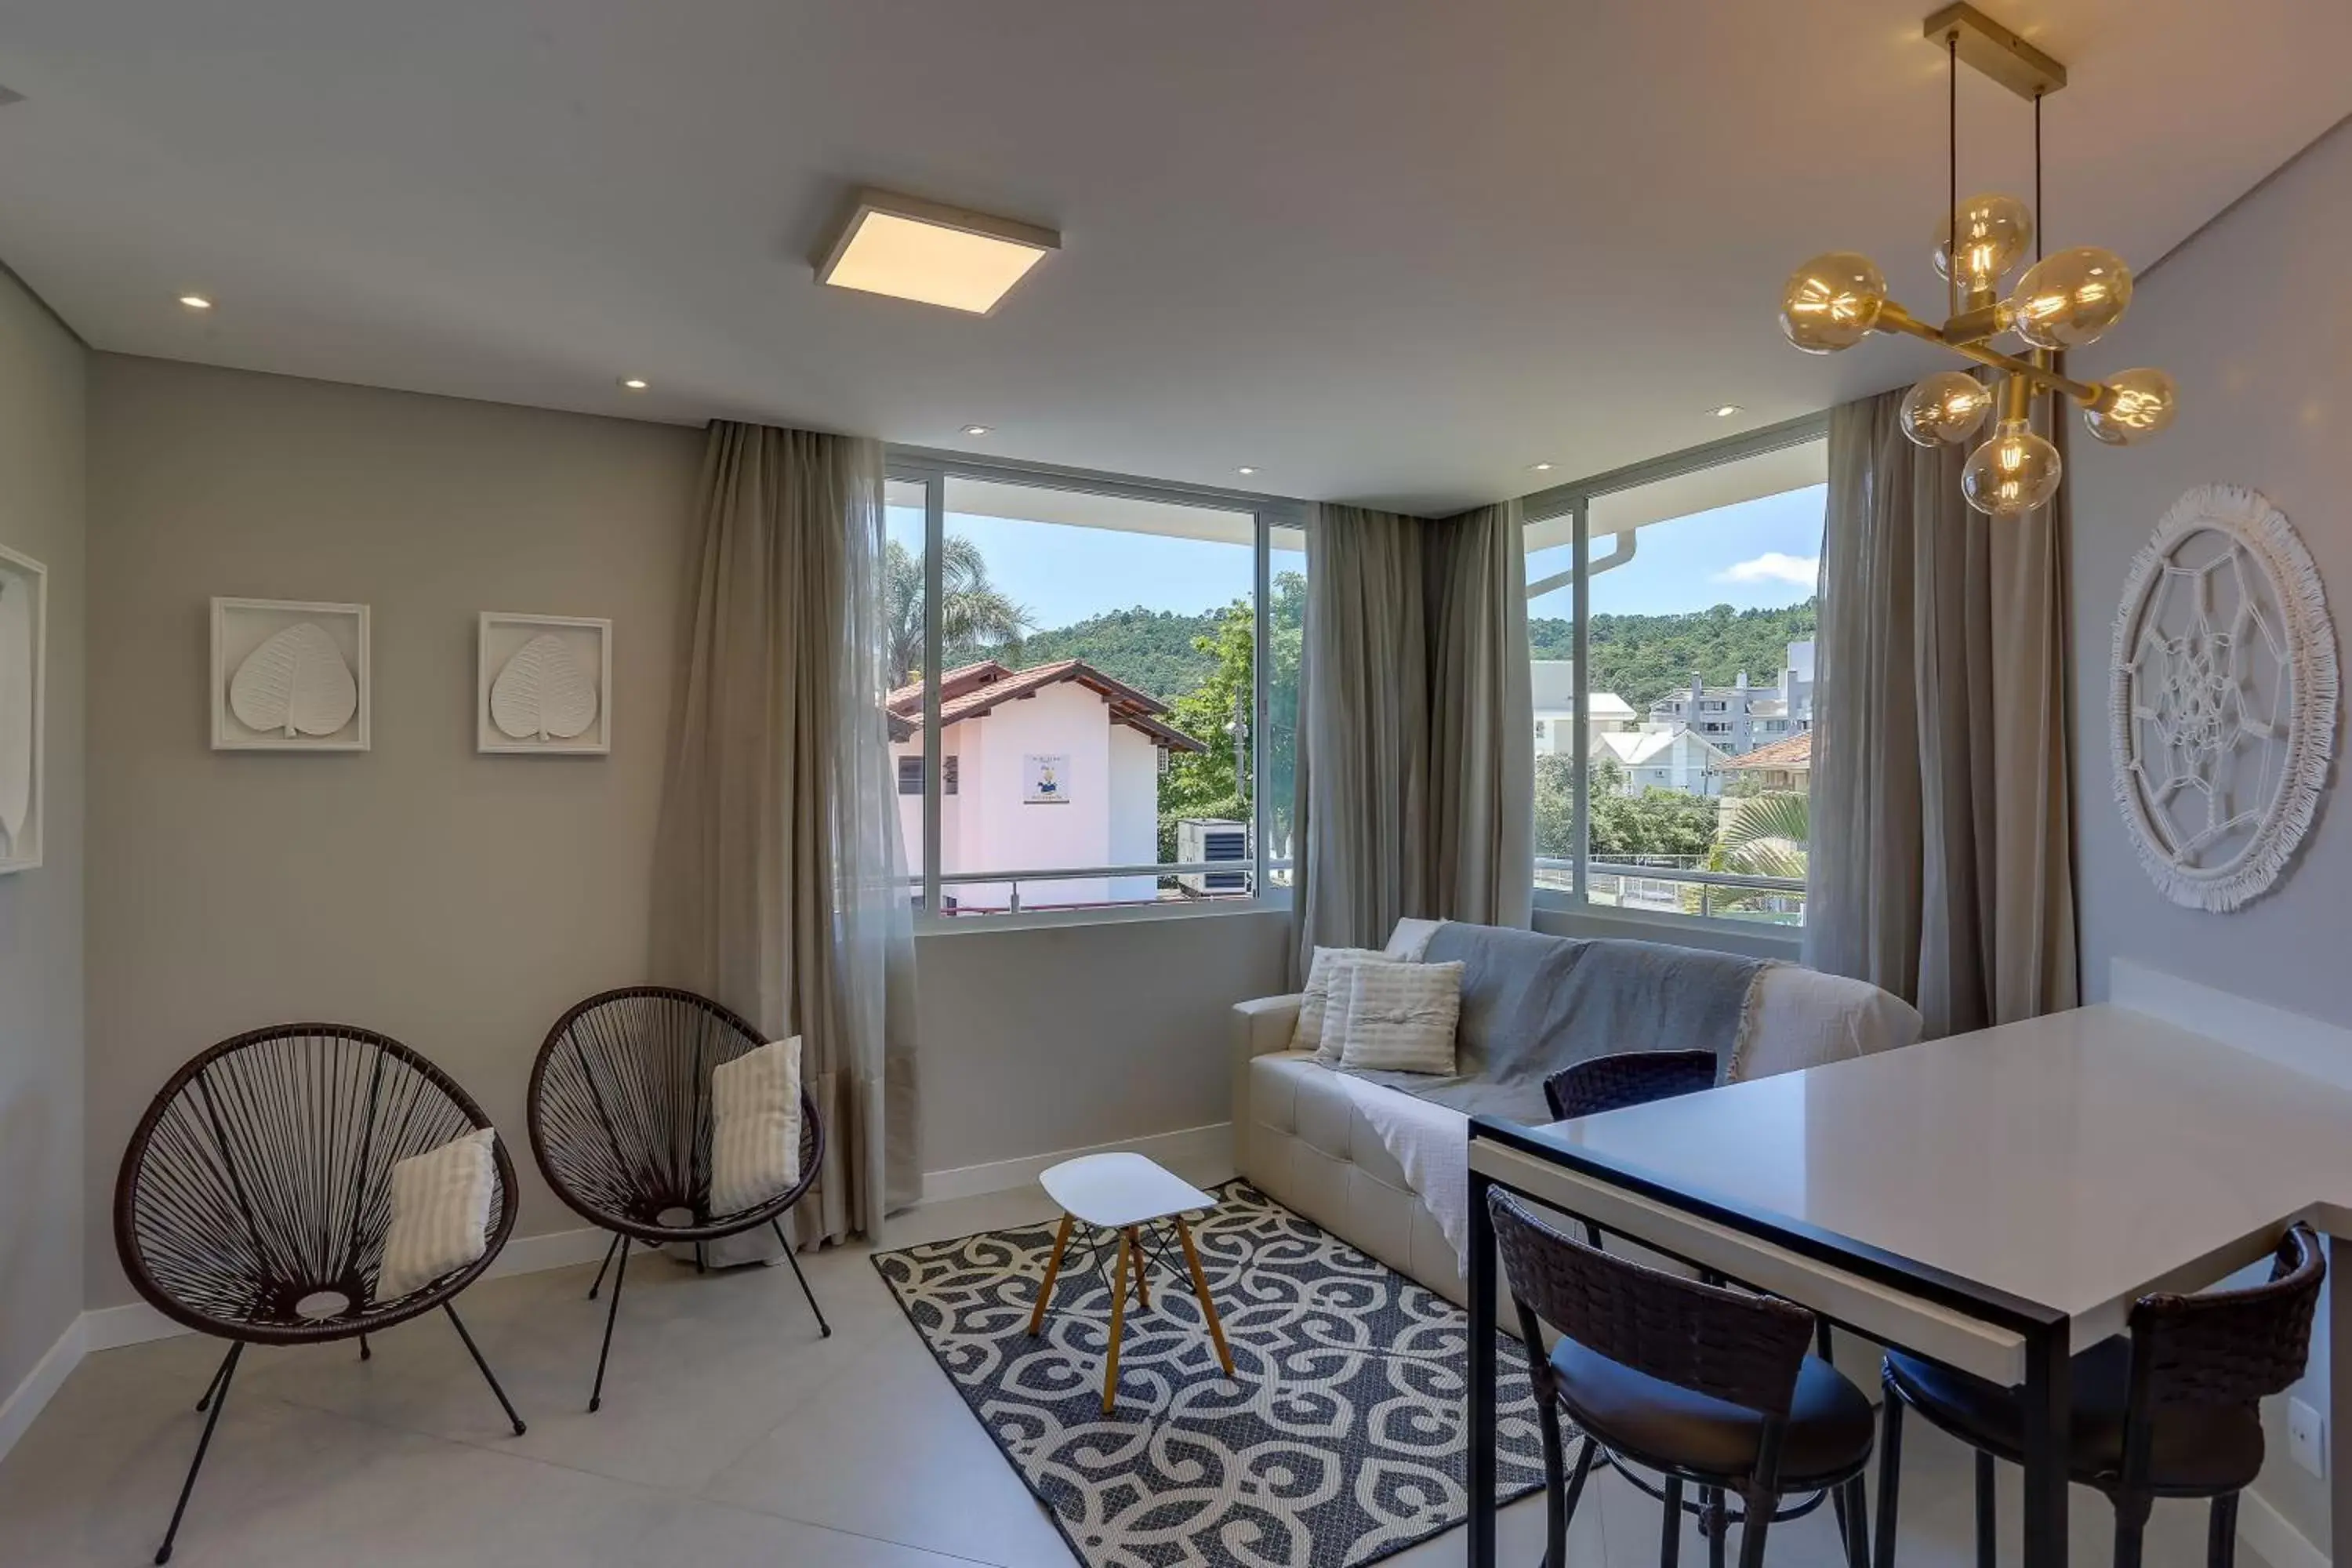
pixel 1760 1505
pixel 220 1375
pixel 365 1354
pixel 1987 1513
pixel 1857 1522
pixel 1670 1537
pixel 487 1376
pixel 612 1310
pixel 826 1329
pixel 2221 1532
pixel 701 1265
pixel 219 1397
pixel 2132 1509
pixel 1890 1476
pixel 1715 1523
pixel 599 1285
pixel 1559 1518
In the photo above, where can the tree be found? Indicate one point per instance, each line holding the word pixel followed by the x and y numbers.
pixel 975 617
pixel 1656 823
pixel 1215 783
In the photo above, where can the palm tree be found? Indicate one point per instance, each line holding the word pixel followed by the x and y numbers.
pixel 1766 836
pixel 973 613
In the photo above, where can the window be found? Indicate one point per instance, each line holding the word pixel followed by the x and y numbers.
pixel 1698 577
pixel 1093 650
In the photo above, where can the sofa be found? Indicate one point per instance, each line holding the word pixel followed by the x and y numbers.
pixel 1303 1136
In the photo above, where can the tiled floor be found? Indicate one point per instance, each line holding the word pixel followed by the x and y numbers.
pixel 730 1433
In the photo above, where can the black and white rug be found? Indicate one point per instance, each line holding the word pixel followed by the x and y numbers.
pixel 1338 1441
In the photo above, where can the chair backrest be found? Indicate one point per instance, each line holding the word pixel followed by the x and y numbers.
pixel 2230 1347
pixel 1743 1349
pixel 1627 1077
pixel 262 1171
pixel 620 1103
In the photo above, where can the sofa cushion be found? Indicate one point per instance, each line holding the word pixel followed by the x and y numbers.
pixel 1400 1018
pixel 1326 979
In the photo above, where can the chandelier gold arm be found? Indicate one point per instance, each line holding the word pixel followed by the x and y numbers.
pixel 1894 318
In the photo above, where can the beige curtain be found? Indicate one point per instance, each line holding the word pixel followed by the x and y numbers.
pixel 1943 868
pixel 1415 783
pixel 779 864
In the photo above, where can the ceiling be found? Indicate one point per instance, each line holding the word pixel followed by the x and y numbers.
pixel 1380 250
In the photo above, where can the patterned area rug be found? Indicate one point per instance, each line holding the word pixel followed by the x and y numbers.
pixel 1338 1441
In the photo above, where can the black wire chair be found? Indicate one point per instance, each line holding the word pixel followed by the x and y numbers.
pixel 255 1195
pixel 620 1119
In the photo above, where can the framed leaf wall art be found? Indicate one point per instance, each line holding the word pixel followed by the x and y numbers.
pixel 289 676
pixel 23 646
pixel 544 686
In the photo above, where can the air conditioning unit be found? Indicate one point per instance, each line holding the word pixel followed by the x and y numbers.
pixel 1201 840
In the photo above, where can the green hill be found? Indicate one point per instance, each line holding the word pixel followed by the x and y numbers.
pixel 1643 657
pixel 1151 649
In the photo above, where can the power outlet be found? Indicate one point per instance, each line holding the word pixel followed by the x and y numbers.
pixel 2306 1437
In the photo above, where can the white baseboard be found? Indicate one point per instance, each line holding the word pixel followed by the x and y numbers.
pixel 1201 1155
pixel 32 1396
pixel 2265 1530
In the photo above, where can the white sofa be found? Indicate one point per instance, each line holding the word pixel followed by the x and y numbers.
pixel 1301 1136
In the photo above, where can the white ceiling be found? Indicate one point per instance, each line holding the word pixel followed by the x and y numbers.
pixel 1383 250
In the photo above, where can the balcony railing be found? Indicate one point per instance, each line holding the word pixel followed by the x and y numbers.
pixel 1167 887
pixel 1680 891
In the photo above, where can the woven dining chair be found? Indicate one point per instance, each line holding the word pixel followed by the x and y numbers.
pixel 2170 1408
pixel 620 1119
pixel 254 1195
pixel 1704 1385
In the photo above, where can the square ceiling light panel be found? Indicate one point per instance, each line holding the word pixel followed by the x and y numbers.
pixel 915 249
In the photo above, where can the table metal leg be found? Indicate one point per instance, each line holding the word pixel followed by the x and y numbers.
pixel 1483 1369
pixel 2340 1402
pixel 2049 1412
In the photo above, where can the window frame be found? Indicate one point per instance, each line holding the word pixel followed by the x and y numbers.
pixel 1574 499
pixel 932 468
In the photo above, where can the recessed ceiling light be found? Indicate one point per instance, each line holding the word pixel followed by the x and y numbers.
pixel 634 383
pixel 1726 410
pixel 195 302
pixel 1540 467
pixel 915 249
pixel 1245 470
pixel 978 429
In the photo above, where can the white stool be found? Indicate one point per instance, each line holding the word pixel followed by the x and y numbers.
pixel 1123 1193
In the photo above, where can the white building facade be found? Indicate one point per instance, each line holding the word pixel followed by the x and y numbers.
pixel 1741 717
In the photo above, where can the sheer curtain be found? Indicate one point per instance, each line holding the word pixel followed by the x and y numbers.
pixel 1944 871
pixel 1415 785
pixel 780 871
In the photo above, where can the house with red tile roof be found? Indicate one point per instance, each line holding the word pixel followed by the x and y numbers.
pixel 1052 768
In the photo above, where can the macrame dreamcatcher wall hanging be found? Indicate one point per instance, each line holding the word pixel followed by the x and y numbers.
pixel 2222 694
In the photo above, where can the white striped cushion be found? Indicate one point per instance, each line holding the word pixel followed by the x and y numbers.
pixel 440 1214
pixel 1326 986
pixel 1400 1018
pixel 755 1127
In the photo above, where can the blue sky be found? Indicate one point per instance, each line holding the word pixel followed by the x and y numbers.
pixel 1759 555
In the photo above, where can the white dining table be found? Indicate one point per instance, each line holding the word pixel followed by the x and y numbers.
pixel 1995 1201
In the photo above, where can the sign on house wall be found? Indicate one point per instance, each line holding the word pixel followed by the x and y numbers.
pixel 1045 778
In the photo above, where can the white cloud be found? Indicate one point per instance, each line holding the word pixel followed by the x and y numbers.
pixel 1797 570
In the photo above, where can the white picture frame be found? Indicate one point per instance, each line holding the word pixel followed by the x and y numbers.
pixel 1045 778
pixel 240 629
pixel 24 707
pixel 575 652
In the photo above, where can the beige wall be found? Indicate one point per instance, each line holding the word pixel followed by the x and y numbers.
pixel 1063 1037
pixel 42 371
pixel 455 902
pixel 2253 320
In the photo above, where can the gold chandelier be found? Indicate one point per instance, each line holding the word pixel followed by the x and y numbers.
pixel 2064 301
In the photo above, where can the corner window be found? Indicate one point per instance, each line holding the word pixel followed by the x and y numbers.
pixel 1699 579
pixel 1090 662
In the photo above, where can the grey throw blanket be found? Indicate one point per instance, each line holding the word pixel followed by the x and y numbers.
pixel 1532 1005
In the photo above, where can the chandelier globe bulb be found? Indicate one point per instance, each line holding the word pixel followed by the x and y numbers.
pixel 2132 406
pixel 1831 302
pixel 2013 473
pixel 1946 408
pixel 2068 299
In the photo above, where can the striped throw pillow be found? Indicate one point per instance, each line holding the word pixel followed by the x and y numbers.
pixel 1400 1018
pixel 1326 988
pixel 755 1127
pixel 440 1214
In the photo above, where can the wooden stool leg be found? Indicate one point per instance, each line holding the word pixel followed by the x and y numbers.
pixel 1052 1269
pixel 1142 1270
pixel 1201 1288
pixel 1118 1321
